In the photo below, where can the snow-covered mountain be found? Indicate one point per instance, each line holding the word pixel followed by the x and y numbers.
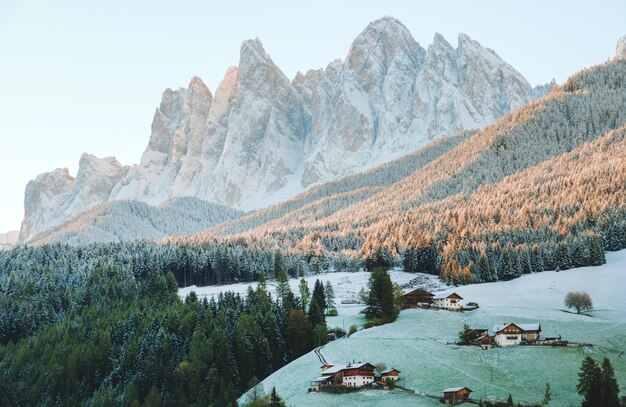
pixel 262 137
pixel 57 196
pixel 9 239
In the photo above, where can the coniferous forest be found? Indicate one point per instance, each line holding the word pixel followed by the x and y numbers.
pixel 109 336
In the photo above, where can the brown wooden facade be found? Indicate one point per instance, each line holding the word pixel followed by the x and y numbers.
pixel 418 298
pixel 364 370
pixel 456 395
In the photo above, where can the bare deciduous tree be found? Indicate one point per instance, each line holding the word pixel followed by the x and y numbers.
pixel 579 300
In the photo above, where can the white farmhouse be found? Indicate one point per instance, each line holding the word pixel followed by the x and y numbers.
pixel 513 334
pixel 350 375
pixel 450 302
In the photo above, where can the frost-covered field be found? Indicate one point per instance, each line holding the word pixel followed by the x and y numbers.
pixel 346 285
pixel 416 343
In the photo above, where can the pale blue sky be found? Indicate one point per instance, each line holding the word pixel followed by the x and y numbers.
pixel 86 76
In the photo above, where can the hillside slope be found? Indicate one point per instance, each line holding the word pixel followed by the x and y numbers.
pixel 554 165
pixel 323 200
pixel 417 344
pixel 122 221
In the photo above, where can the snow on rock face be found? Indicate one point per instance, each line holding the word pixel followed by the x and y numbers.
pixel 229 149
pixel 266 128
pixel 365 108
pixel 392 96
pixel 263 135
pixel 620 49
pixel 9 239
pixel 44 201
pixel 174 150
pixel 57 196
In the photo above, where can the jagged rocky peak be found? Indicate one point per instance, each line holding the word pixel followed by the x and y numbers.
pixel 266 126
pixel 480 69
pixel 95 179
pixel 55 196
pixel 44 200
pixel 383 44
pixel 263 138
pixel 256 68
pixel 175 107
pixel 9 239
pixel 620 49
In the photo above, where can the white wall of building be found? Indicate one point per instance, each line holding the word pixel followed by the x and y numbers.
pixel 447 303
pixel 508 339
pixel 357 381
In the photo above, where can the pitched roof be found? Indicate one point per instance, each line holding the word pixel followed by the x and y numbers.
pixel 321 379
pixel 455 389
pixel 338 368
pixel 419 291
pixel 543 337
pixel 523 327
pixel 452 295
pixel 530 327
pixel 389 371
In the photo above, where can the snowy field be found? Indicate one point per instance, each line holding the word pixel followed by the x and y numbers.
pixel 346 285
pixel 418 342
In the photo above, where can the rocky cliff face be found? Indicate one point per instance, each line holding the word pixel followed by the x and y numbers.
pixel 263 136
pixel 9 239
pixel 620 49
pixel 57 196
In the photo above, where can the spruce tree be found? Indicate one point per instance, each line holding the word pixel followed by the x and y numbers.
pixel 318 304
pixel 608 385
pixel 298 332
pixel 275 400
pixel 305 294
pixel 329 292
pixel 589 383
pixel 381 302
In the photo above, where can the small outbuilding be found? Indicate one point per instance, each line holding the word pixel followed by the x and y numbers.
pixel 389 374
pixel 485 341
pixel 319 382
pixel 548 339
pixel 456 395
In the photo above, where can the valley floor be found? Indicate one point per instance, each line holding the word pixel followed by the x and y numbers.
pixel 418 343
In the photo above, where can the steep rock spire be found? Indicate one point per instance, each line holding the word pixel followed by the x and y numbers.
pixel 620 48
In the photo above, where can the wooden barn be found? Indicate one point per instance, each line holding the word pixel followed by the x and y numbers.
pixel 485 341
pixel 389 374
pixel 456 395
pixel 418 298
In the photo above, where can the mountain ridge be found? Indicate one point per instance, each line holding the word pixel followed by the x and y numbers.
pixel 262 135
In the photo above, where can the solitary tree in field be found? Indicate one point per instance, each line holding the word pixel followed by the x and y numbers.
pixel 579 300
